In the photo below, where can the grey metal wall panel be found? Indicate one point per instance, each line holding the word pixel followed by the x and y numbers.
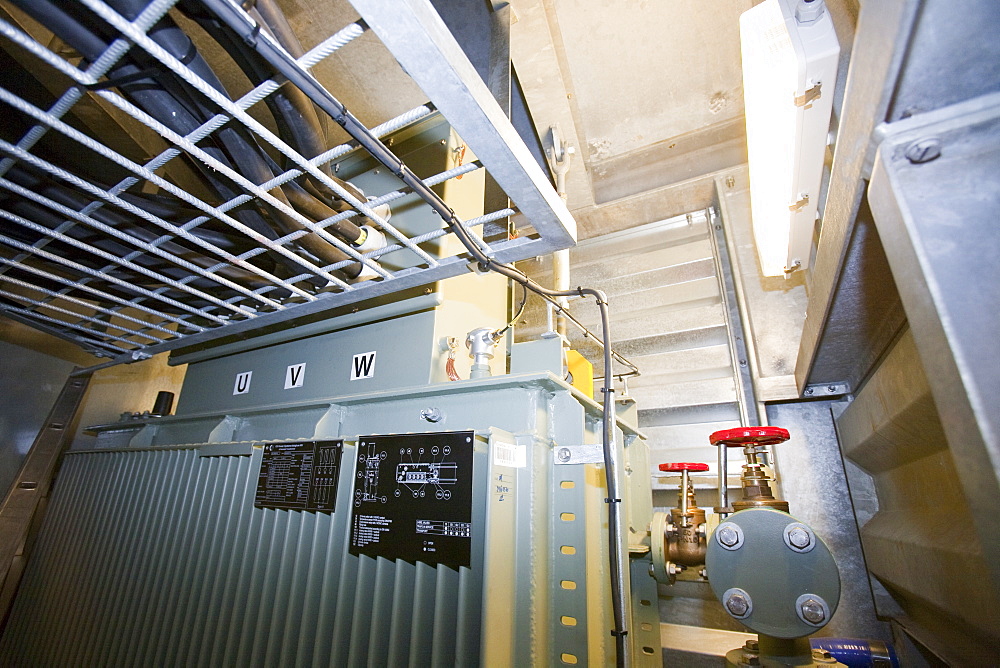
pixel 160 558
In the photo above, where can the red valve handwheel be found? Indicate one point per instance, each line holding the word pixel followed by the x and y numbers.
pixel 744 436
pixel 677 467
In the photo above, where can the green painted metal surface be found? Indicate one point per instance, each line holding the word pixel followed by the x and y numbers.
pixel 155 555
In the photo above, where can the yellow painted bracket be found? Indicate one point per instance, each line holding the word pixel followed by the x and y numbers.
pixel 582 372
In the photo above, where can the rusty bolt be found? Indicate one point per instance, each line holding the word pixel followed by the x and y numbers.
pixel 812 611
pixel 751 646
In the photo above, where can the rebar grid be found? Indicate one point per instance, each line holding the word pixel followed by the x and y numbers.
pixel 76 269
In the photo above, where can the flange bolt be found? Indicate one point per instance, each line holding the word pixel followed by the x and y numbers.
pixel 812 611
pixel 738 603
pixel 728 536
pixel 798 537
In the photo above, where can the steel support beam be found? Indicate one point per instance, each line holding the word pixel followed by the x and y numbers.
pixel 31 487
pixel 880 45
pixel 427 51
pixel 938 218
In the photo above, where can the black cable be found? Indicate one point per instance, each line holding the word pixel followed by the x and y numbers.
pixel 520 312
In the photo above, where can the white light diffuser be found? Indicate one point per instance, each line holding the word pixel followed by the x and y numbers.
pixel 790 53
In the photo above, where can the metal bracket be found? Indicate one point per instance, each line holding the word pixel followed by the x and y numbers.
pixel 578 454
pixel 800 204
pixel 826 390
pixel 808 96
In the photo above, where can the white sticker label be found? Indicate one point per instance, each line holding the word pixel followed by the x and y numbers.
pixel 242 384
pixel 509 454
pixel 295 375
pixel 363 366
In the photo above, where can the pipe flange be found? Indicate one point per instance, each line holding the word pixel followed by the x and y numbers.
pixel 799 537
pixel 729 536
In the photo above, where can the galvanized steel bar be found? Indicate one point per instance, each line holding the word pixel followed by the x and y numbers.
pixel 146 19
pixel 99 294
pixel 139 170
pixel 149 16
pixel 181 70
pixel 116 261
pixel 55 259
pixel 194 269
pixel 89 305
pixel 17 298
pixel 257 191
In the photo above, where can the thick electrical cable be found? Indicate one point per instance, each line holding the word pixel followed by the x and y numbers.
pixel 517 315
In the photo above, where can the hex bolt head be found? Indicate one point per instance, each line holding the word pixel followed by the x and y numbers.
pixel 738 604
pixel 563 454
pixel 431 414
pixel 812 611
pixel 728 536
pixel 798 537
pixel 923 150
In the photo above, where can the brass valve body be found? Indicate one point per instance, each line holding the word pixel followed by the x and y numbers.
pixel 686 544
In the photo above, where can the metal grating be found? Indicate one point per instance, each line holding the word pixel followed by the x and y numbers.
pixel 165 561
pixel 126 260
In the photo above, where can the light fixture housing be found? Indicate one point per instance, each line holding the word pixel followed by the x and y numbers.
pixel 790 56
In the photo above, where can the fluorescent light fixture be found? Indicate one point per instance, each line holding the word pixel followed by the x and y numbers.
pixel 790 54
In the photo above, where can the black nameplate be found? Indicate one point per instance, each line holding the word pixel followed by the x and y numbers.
pixel 299 476
pixel 412 498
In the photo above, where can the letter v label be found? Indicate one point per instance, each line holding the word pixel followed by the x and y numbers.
pixel 295 375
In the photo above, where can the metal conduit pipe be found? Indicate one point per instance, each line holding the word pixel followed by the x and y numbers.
pixel 560 281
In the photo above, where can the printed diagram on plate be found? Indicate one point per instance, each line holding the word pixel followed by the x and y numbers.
pixel 412 497
pixel 414 476
pixel 369 466
pixel 417 475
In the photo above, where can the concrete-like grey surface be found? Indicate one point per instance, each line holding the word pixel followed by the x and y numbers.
pixel 30 381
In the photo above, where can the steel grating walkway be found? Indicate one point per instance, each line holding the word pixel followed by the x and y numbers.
pixel 141 264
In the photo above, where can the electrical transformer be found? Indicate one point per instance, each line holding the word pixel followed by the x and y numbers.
pixel 313 503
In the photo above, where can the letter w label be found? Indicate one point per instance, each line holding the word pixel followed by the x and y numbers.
pixel 363 366
pixel 242 384
pixel 295 375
